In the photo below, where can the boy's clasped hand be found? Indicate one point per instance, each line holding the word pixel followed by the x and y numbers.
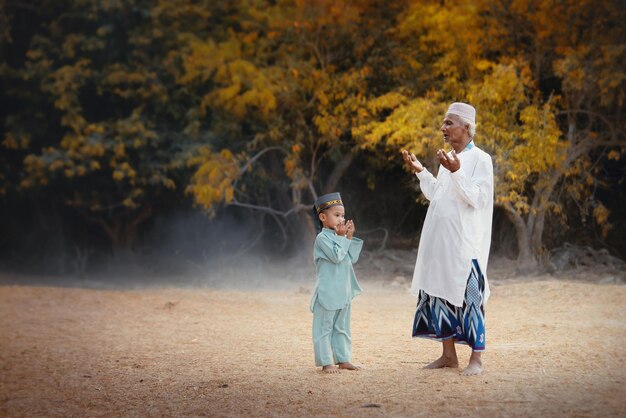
pixel 345 229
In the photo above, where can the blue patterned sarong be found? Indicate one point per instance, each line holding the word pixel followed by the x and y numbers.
pixel 438 319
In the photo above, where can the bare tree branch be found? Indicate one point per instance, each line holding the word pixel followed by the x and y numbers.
pixel 295 209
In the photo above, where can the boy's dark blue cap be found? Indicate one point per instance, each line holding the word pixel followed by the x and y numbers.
pixel 327 201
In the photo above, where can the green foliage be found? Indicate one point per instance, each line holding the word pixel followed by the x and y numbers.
pixel 110 143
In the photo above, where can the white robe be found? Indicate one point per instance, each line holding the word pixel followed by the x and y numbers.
pixel 457 227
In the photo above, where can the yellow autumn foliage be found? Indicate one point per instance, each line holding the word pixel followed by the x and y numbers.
pixel 213 180
pixel 242 85
pixel 319 81
pixel 16 141
pixel 601 215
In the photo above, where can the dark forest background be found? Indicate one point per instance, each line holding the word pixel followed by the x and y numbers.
pixel 169 137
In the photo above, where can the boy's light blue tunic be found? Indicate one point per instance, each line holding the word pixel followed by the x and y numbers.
pixel 331 302
pixel 336 282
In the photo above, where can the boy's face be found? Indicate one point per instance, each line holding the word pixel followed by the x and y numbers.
pixel 333 216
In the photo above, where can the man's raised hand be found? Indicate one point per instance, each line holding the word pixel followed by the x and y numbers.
pixel 412 162
pixel 450 162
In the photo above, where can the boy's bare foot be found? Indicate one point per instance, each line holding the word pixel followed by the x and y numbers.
pixel 473 368
pixel 442 362
pixel 330 369
pixel 349 366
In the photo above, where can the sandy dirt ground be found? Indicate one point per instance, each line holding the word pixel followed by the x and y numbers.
pixel 554 348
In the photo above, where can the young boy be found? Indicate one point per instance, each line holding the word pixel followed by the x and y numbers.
pixel 336 249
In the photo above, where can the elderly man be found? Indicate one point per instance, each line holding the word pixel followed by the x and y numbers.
pixel 450 273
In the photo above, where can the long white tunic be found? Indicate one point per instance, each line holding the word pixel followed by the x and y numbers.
pixel 457 227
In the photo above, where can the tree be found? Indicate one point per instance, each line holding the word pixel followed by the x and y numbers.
pixel 502 69
pixel 100 113
pixel 115 107
pixel 574 51
pixel 283 85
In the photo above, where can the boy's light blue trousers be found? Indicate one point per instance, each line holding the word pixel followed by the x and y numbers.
pixel 332 341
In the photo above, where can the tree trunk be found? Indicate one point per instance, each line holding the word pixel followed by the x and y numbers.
pixel 539 209
pixel 122 230
pixel 526 258
pixel 338 172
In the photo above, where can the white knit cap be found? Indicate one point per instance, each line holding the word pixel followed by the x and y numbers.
pixel 464 110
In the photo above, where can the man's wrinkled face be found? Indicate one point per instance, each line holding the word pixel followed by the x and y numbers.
pixel 333 217
pixel 455 132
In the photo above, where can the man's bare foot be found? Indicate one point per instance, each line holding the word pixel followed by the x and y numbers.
pixel 330 369
pixel 475 365
pixel 441 362
pixel 473 368
pixel 349 366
